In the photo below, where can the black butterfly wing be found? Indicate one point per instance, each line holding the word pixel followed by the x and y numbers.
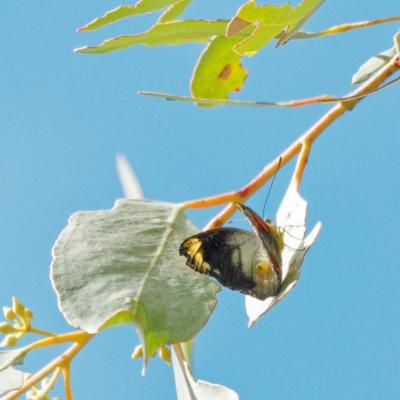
pixel 231 256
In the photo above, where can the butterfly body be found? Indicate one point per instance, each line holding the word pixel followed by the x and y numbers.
pixel 248 262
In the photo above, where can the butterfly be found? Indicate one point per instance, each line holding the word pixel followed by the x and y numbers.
pixel 248 262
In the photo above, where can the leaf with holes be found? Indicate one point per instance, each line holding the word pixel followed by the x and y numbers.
pixel 272 20
pixel 219 71
pixel 121 266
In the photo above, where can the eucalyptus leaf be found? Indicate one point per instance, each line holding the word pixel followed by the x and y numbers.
pixel 128 179
pixel 121 266
pixel 272 20
pixel 219 71
pixel 10 379
pixel 188 389
pixel 174 11
pixel 372 65
pixel 170 33
pixel 141 7
pixel 12 357
pixel 397 43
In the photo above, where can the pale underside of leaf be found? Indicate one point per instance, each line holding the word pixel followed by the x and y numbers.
pixel 291 218
pixel 397 43
pixel 272 20
pixel 170 33
pixel 10 378
pixel 188 389
pixel 129 181
pixel 122 266
pixel 141 7
pixel 372 65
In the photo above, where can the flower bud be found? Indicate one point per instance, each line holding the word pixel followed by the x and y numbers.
pixel 9 314
pixel 28 314
pixel 138 352
pixel 9 341
pixel 18 307
pixel 31 395
pixel 165 354
pixel 44 383
pixel 6 328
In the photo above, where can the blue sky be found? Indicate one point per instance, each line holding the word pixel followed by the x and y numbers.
pixel 65 117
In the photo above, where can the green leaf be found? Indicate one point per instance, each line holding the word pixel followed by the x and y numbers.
pixel 218 71
pixel 271 21
pixel 291 218
pixel 170 33
pixel 10 379
pixel 174 11
pixel 122 266
pixel 141 7
pixel 372 65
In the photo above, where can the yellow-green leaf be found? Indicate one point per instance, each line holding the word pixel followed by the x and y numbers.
pixel 171 33
pixel 272 20
pixel 141 7
pixel 174 11
pixel 218 71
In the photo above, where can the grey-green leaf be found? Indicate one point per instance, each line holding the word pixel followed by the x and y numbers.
pixel 122 266
pixel 10 379
pixel 372 65
pixel 187 388
pixel 12 357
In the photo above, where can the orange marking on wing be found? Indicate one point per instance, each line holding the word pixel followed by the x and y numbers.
pixel 261 223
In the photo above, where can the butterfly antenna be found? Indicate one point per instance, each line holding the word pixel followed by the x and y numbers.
pixel 269 191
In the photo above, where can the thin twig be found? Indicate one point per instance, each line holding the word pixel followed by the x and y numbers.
pixel 58 339
pixel 51 382
pixel 61 361
pixel 67 382
pixel 325 99
pixel 347 27
pixel 331 116
pixel 41 332
pixel 301 163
